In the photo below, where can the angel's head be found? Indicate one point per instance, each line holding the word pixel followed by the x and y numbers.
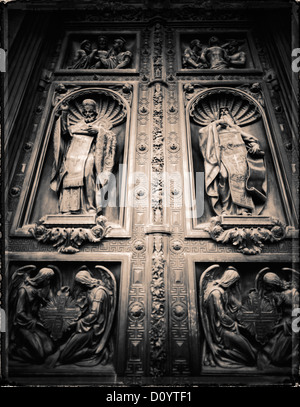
pixel 89 110
pixel 230 277
pixel 43 277
pixel 86 280
pixel 273 282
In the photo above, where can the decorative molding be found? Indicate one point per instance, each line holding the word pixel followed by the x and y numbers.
pixel 158 161
pixel 69 240
pixel 158 330
pixel 248 240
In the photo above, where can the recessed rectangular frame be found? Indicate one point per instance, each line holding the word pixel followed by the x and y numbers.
pixel 59 70
pixel 26 201
pixel 125 271
pixel 195 330
pixel 234 71
pixel 280 162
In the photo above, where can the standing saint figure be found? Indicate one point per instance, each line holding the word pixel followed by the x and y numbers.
pixel 83 159
pixel 225 346
pixel 234 167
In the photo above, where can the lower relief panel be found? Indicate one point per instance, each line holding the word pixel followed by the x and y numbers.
pixel 64 319
pixel 245 319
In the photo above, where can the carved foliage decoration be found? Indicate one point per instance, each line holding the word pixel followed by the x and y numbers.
pixel 68 240
pixel 158 138
pixel 158 333
pixel 248 239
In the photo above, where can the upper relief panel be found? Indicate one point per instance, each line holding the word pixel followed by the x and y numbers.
pixel 109 52
pixel 224 51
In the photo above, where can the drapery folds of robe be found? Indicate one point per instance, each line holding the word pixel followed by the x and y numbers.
pixel 81 163
pixel 224 345
pixel 235 180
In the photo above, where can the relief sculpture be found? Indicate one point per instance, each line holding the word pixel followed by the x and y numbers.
pixel 232 154
pixel 86 134
pixel 52 325
pixel 251 329
pixel 234 167
pixel 220 301
pixel 214 55
pixel 272 325
pixel 102 57
pixel 28 293
pixel 84 153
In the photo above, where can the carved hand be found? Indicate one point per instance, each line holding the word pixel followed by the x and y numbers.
pixel 92 131
pixel 255 150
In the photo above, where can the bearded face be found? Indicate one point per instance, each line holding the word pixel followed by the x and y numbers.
pixel 89 113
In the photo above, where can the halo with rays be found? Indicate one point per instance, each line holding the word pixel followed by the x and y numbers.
pixel 206 107
pixel 110 106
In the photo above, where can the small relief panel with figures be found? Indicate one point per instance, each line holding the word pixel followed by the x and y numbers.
pixel 218 51
pixel 106 51
pixel 62 315
pixel 246 317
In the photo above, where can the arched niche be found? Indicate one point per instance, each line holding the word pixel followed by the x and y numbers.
pixel 249 115
pixel 38 200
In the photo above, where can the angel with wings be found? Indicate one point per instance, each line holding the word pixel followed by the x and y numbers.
pixel 90 342
pixel 281 349
pixel 224 345
pixel 30 290
pixel 84 152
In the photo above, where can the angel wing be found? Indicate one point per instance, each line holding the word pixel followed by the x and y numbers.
pixel 295 276
pixel 206 282
pixel 295 284
pixel 16 281
pixel 110 283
